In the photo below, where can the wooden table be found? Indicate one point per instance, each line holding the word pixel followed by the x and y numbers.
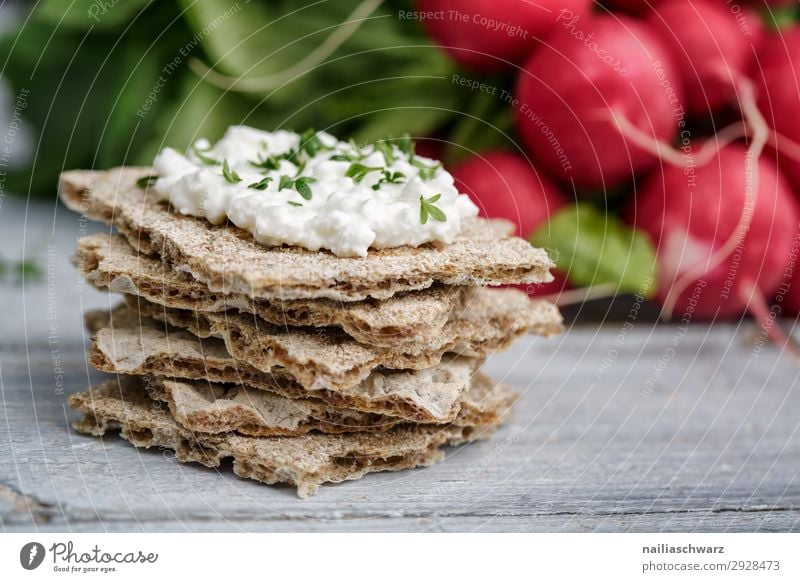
pixel 649 428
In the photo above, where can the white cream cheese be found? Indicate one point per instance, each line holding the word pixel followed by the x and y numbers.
pixel 336 195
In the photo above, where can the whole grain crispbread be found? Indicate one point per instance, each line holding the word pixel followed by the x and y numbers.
pixel 329 358
pixel 126 343
pixel 305 461
pixel 227 259
pixel 109 262
pixel 216 408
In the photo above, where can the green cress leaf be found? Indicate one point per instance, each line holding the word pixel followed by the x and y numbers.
pixel 230 175
pixel 386 150
pixel 389 178
pixel 207 160
pixel 310 143
pixel 146 181
pixel 405 144
pixel 270 163
pixel 592 249
pixel 358 171
pixel 428 208
pixel 426 172
pixel 285 182
pixel 303 188
pixel 262 184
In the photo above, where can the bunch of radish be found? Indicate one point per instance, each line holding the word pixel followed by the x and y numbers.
pixel 682 112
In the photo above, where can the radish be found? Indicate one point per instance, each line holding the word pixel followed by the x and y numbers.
pixel 691 217
pixel 492 35
pixel 711 47
pixel 777 77
pixel 571 91
pixel 505 185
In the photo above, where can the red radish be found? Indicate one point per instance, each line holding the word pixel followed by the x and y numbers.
pixel 492 35
pixel 711 47
pixel 572 89
pixel 777 77
pixel 505 185
pixel 690 217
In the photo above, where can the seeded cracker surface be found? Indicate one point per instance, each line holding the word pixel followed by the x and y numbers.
pixel 216 408
pixel 127 343
pixel 109 262
pixel 305 461
pixel 227 260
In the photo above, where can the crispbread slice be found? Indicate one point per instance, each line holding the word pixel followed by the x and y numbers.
pixel 109 262
pixel 126 343
pixel 305 461
pixel 228 260
pixel 215 408
pixel 329 358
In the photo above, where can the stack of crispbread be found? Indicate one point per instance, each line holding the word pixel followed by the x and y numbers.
pixel 301 366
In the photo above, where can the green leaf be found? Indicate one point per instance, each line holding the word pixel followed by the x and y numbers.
pixel 28 271
pixel 294 203
pixel 389 178
pixel 386 150
pixel 778 17
pixel 427 208
pixel 271 163
pixel 285 182
pixel 426 172
pixel 405 144
pixel 303 188
pixel 262 184
pixel 205 159
pixel 230 175
pixel 146 181
pixel 423 213
pixel 358 171
pixel 593 248
pixel 85 14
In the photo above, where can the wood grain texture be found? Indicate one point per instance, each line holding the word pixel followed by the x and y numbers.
pixel 714 447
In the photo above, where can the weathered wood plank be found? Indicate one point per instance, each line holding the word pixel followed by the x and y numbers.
pixel 713 445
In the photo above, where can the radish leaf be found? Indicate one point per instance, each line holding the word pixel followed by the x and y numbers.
pixel 593 249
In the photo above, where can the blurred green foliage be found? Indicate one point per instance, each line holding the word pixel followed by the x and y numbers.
pixel 597 248
pixel 112 82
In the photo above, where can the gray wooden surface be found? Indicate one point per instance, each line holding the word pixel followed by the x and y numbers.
pixel 615 432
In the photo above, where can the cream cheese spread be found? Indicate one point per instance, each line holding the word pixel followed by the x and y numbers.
pixel 314 191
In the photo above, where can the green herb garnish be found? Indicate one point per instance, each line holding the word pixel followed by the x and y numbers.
pixel 386 150
pixel 303 188
pixel 271 163
pixel 146 181
pixel 302 185
pixel 310 143
pixel 294 203
pixel 285 182
pixel 405 144
pixel 358 171
pixel 427 207
pixel 207 160
pixel 425 172
pixel 230 175
pixel 261 184
pixel 389 178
